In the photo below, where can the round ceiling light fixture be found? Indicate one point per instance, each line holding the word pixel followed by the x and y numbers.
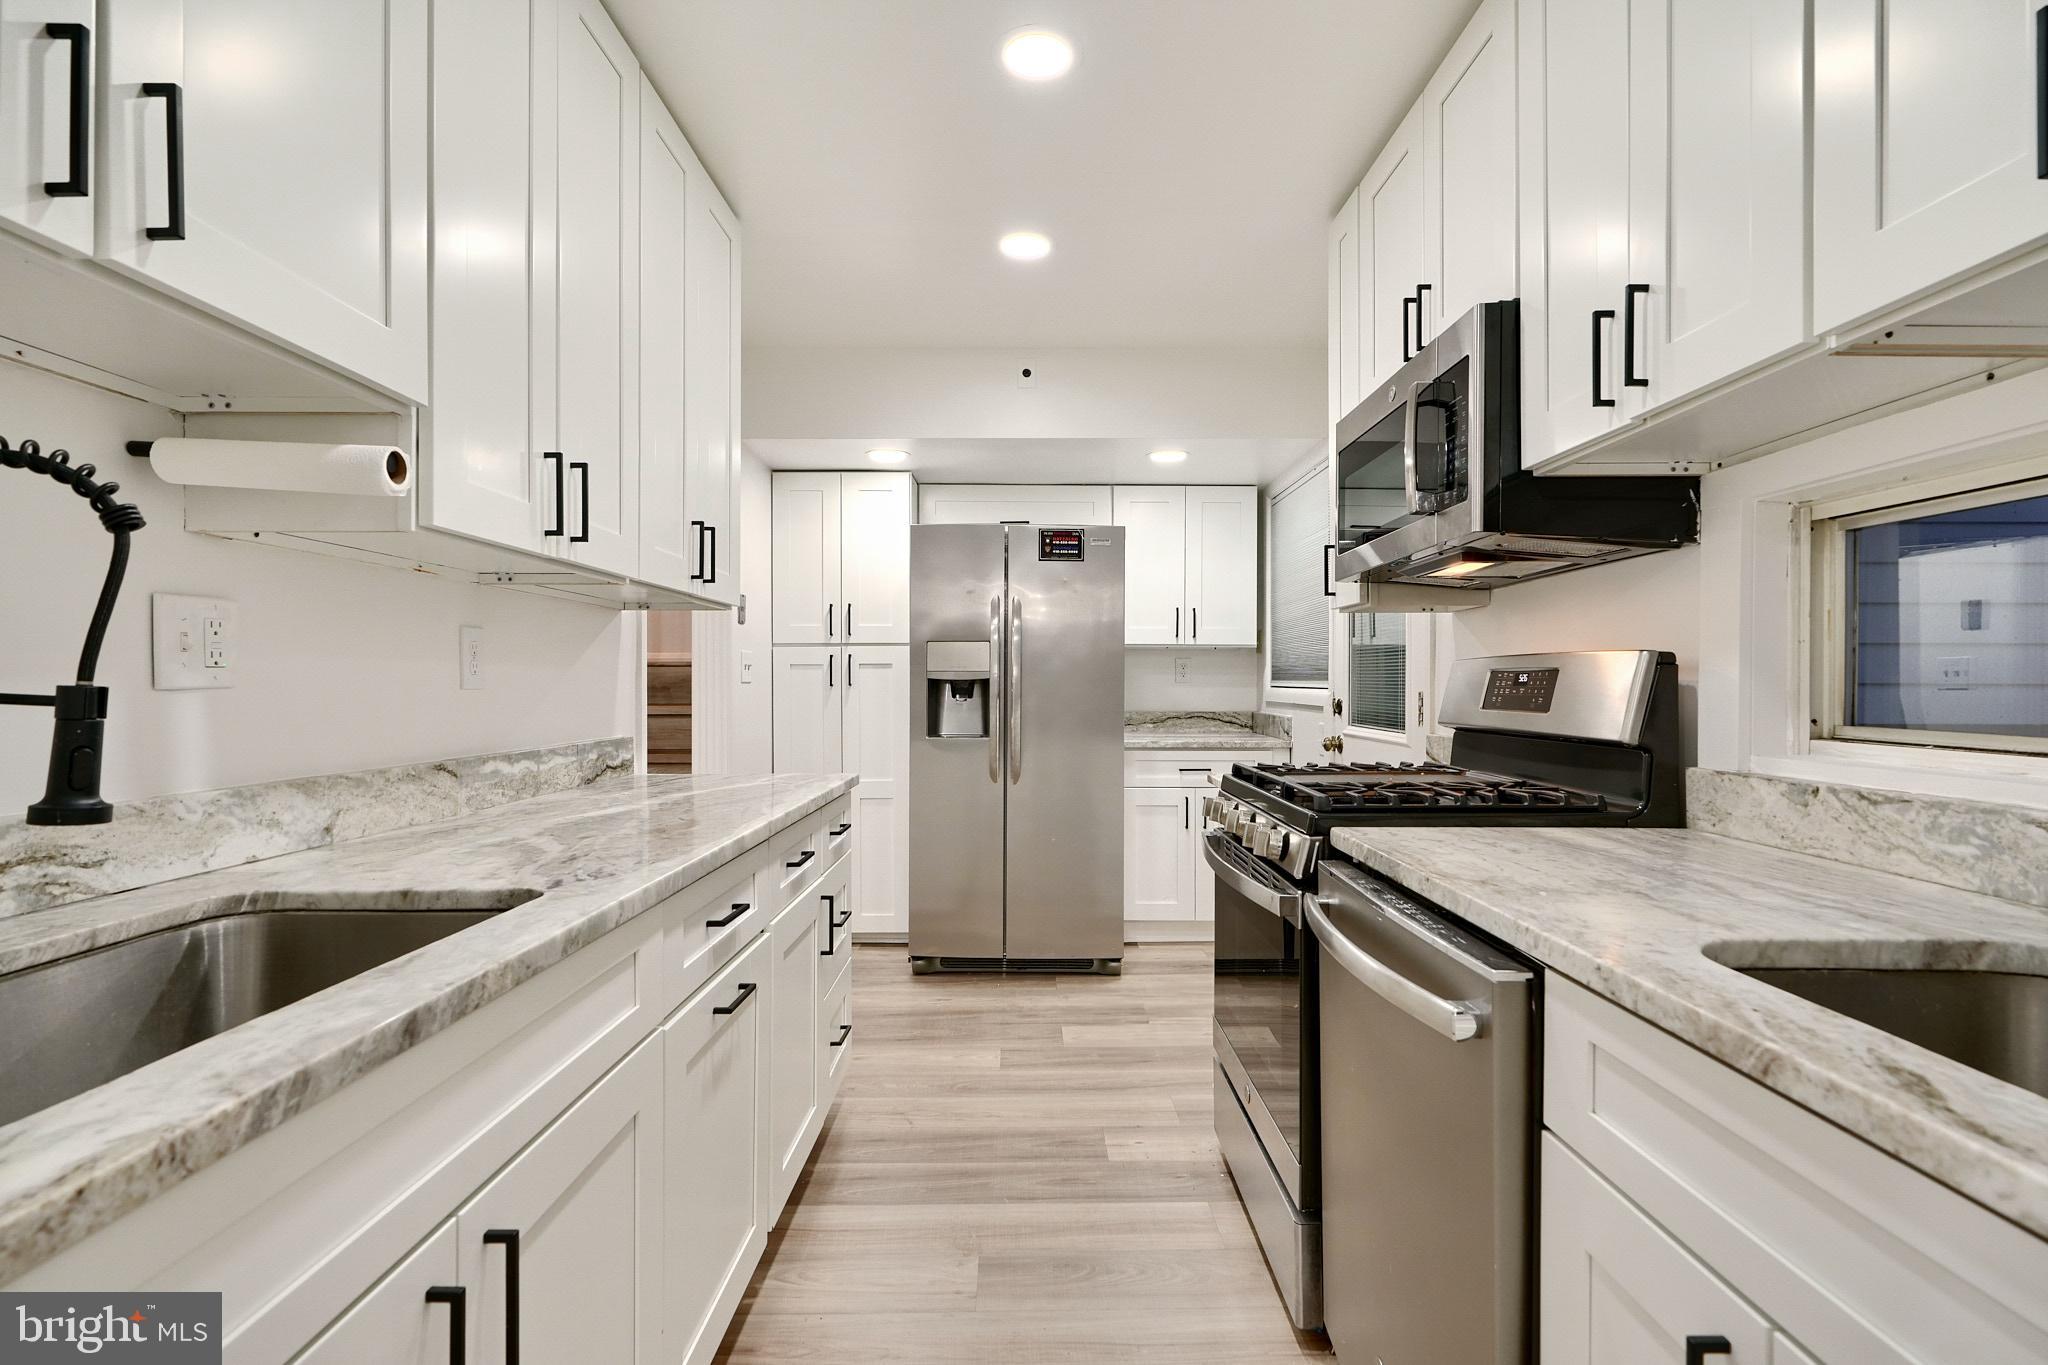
pixel 1025 246
pixel 1169 456
pixel 888 456
pixel 1037 54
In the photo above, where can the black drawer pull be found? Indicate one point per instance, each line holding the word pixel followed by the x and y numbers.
pixel 712 531
pixel 803 858
pixel 80 132
pixel 561 526
pixel 1697 1349
pixel 842 920
pixel 831 923
pixel 457 1299
pixel 1600 315
pixel 845 1032
pixel 747 988
pixel 1420 340
pixel 842 829
pixel 698 576
pixel 1629 378
pixel 508 1238
pixel 582 468
pixel 174 158
pixel 738 908
pixel 1329 570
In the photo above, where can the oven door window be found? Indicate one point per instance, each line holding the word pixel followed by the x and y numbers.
pixel 1372 482
pixel 1258 1006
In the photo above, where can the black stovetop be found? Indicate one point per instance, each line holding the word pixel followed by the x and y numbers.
pixel 1315 797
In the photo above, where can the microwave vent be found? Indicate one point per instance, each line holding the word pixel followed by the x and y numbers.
pixel 1551 549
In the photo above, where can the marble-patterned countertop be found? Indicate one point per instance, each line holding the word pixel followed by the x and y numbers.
pixel 1631 913
pixel 577 863
pixel 1209 731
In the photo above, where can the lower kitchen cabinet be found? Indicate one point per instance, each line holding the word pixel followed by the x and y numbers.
pixel 1618 1291
pixel 562 1250
pixel 716 1193
pixel 402 1320
pixel 795 941
pixel 1160 857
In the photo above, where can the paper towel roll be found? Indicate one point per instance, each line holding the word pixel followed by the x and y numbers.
pixel 286 466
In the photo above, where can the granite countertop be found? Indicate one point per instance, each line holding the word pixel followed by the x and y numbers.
pixel 574 866
pixel 1627 913
pixel 1211 731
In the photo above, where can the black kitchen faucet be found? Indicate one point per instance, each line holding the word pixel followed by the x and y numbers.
pixel 73 794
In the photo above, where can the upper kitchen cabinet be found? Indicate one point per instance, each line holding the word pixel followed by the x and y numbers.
pixel 1036 504
pixel 48 92
pixel 1468 156
pixel 842 558
pixel 1190 565
pixel 1347 366
pixel 1930 146
pixel 712 407
pixel 265 160
pixel 1393 293
pixel 1660 254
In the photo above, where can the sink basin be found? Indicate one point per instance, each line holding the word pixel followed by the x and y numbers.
pixel 1994 1022
pixel 79 1022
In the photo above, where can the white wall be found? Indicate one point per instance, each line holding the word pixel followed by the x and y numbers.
pixel 1218 680
pixel 904 393
pixel 340 666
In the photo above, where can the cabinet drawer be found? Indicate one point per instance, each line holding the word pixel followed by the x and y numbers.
pixel 1855 1254
pixel 835 1043
pixel 838 832
pixel 1179 770
pixel 834 908
pixel 705 926
pixel 795 859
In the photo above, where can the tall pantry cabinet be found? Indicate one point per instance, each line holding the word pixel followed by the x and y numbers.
pixel 841 604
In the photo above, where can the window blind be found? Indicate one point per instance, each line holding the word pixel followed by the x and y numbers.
pixel 1378 671
pixel 1300 624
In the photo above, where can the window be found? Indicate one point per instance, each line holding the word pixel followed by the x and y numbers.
pixel 1299 612
pixel 1932 621
pixel 1378 663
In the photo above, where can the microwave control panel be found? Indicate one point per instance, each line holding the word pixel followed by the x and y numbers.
pixel 1520 689
pixel 1062 542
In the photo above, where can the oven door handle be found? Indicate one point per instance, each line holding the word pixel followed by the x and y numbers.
pixel 1286 904
pixel 1408 438
pixel 1454 1019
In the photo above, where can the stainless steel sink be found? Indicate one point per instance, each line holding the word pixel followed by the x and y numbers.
pixel 82 1021
pixel 1994 1022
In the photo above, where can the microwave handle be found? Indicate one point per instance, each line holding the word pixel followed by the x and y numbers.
pixel 1408 414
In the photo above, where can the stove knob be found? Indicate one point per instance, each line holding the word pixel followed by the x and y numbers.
pixel 1212 810
pixel 1275 846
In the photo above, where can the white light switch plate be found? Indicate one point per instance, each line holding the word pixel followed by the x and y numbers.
pixel 746 667
pixel 193 642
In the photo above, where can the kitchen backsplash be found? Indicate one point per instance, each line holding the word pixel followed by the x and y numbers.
pixel 164 837
pixel 1975 845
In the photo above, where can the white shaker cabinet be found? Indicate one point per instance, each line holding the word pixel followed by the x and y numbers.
pixel 794 945
pixel 576 1218
pixel 1160 864
pixel 712 415
pixel 1345 345
pixel 842 558
pixel 809 680
pixel 1468 156
pixel 1617 1290
pixel 418 1314
pixel 716 1186
pixel 805 526
pixel 48 94
pixel 1223 566
pixel 1928 148
pixel 1155 522
pixel 673 542
pixel 267 161
pixel 1039 504
pixel 1393 288
pixel 875 742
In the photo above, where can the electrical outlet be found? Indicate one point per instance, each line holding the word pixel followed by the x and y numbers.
pixel 1181 663
pixel 471 659
pixel 1954 674
pixel 192 642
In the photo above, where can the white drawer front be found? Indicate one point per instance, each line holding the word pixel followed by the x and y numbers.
pixel 1181 770
pixel 703 927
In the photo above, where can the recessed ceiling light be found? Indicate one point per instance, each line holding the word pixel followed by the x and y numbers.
pixel 1037 54
pixel 1169 456
pixel 888 456
pixel 1025 246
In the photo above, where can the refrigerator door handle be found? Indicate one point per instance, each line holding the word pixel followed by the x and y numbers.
pixel 995 682
pixel 1015 690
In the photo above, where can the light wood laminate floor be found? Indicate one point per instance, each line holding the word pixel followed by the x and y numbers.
pixel 1020 1169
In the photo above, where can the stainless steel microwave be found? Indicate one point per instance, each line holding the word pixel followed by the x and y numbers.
pixel 1431 490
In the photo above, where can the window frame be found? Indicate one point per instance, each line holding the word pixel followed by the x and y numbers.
pixel 1279 693
pixel 1823 529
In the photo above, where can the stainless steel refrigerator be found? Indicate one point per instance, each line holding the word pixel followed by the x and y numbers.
pixel 1016 747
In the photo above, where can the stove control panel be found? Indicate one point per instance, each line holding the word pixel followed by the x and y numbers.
pixel 1528 690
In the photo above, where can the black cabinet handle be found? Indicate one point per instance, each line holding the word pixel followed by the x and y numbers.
pixel 1187 819
pixel 698 576
pixel 849 665
pixel 174 157
pixel 829 608
pixel 845 1032
pixel 712 577
pixel 841 920
pixel 842 829
pixel 848 618
pixel 1329 571
pixel 830 924
pixel 831 670
pixel 738 908
pixel 1420 339
pixel 457 1299
pixel 1407 350
pixel 1697 1349
pixel 80 38
pixel 803 858
pixel 1176 623
pixel 747 988
pixel 561 526
pixel 2041 93
pixel 1194 623
pixel 582 468
pixel 508 1238
pixel 1600 315
pixel 1629 377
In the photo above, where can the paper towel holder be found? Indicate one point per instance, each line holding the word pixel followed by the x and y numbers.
pixel 394 460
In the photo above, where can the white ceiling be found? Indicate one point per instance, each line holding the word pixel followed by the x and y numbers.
pixel 1185 168
pixel 1050 461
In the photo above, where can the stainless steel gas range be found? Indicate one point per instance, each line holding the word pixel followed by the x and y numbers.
pixel 1552 739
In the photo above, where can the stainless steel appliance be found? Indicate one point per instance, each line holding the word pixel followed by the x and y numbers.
pixel 1016 749
pixel 1585 738
pixel 1431 489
